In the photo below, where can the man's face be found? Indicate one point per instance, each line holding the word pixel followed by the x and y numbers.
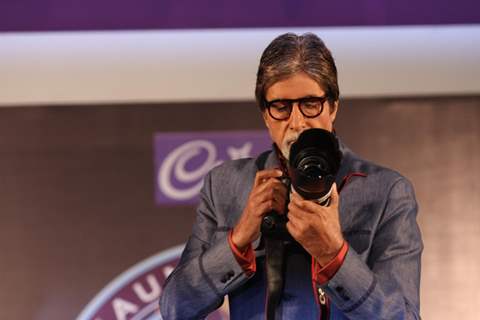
pixel 285 132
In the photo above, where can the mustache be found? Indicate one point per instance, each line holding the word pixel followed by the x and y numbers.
pixel 291 138
pixel 288 140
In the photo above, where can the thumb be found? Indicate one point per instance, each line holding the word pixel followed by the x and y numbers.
pixel 334 196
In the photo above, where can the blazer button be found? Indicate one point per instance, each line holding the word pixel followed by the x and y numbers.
pixel 341 292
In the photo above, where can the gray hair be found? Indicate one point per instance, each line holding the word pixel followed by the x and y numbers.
pixel 289 54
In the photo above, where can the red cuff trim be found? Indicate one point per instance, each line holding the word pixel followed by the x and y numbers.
pixel 320 274
pixel 245 259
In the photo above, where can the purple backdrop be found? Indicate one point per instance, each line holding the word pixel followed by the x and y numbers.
pixel 60 15
pixel 183 159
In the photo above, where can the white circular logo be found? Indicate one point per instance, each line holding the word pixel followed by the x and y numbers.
pixel 174 168
pixel 134 294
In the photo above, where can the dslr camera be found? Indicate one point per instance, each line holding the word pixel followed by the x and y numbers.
pixel 312 168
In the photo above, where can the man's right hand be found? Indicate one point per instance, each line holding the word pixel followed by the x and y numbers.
pixel 268 193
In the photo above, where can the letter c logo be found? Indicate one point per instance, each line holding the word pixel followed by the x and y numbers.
pixel 174 167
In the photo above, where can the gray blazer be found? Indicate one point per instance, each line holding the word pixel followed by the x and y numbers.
pixel 379 278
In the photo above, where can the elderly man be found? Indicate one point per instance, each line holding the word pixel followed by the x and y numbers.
pixel 357 258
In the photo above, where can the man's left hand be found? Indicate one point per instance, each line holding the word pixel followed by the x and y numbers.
pixel 315 227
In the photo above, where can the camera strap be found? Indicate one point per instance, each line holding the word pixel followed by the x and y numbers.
pixel 274 261
pixel 275 269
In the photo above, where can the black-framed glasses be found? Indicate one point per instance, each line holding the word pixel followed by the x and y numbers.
pixel 281 109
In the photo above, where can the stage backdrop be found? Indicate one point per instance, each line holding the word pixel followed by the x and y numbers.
pixel 85 231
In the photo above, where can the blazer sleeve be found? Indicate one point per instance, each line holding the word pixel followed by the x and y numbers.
pixel 387 285
pixel 207 269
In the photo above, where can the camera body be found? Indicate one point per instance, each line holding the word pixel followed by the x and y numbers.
pixel 312 168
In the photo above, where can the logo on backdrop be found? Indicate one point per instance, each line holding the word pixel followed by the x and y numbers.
pixel 183 159
pixel 134 294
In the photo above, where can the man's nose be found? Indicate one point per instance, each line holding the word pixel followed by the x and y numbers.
pixel 297 120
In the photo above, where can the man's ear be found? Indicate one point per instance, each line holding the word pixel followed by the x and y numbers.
pixel 333 110
pixel 265 118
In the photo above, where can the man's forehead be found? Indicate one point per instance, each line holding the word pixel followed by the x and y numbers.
pixel 294 87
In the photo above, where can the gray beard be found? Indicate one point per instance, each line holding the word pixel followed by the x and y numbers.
pixel 285 152
pixel 285 149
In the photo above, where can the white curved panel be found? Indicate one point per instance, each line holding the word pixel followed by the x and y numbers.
pixel 220 65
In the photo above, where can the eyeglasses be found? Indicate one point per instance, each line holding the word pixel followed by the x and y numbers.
pixel 281 109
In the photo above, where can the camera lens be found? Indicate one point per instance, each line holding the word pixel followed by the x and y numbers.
pixel 313 166
pixel 314 162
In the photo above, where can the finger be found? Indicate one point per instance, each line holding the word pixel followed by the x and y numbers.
pixel 293 207
pixel 268 207
pixel 275 204
pixel 263 208
pixel 279 203
pixel 292 229
pixel 296 198
pixel 305 206
pixel 271 187
pixel 273 192
pixel 269 183
pixel 263 175
pixel 296 214
pixel 276 195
